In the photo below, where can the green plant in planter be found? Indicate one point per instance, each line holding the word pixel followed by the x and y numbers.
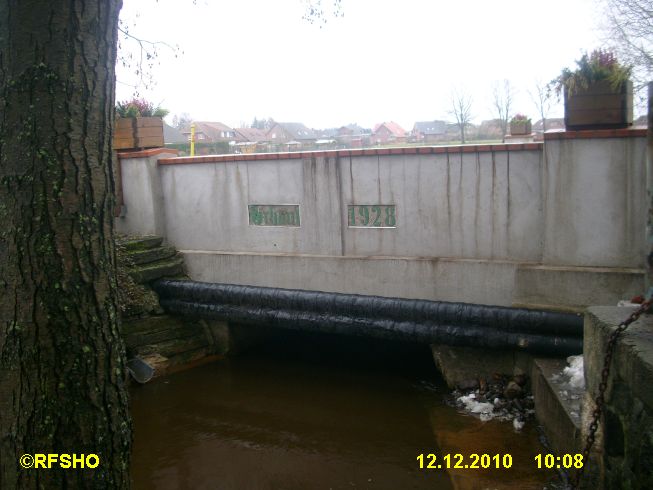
pixel 139 124
pixel 598 94
pixel 599 65
pixel 520 120
pixel 520 124
pixel 139 108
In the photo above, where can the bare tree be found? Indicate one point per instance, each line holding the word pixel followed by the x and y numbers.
pixel 317 13
pixel 263 124
pixel 461 109
pixel 540 94
pixel 502 95
pixel 139 57
pixel 628 30
pixel 182 120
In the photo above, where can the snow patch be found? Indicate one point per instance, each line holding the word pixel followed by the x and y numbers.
pixel 625 302
pixel 518 424
pixel 474 406
pixel 575 372
pixel 571 377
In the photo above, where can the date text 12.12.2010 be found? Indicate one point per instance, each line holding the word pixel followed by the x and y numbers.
pixel 472 462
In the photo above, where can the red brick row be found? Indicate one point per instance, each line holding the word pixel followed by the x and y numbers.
pixel 414 150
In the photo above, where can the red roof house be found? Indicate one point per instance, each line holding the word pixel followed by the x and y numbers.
pixel 388 132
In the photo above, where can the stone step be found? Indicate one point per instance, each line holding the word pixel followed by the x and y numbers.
pixel 157 329
pixel 179 362
pixel 174 347
pixel 157 270
pixel 149 255
pixel 152 323
pixel 141 243
pixel 558 408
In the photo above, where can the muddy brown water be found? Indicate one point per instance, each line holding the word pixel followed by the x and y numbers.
pixel 317 412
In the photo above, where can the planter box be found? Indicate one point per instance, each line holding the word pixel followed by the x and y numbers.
pixel 138 132
pixel 519 129
pixel 600 107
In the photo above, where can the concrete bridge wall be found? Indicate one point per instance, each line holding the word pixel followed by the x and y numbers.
pixel 556 224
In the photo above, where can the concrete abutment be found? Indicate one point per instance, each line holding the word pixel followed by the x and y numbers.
pixel 507 225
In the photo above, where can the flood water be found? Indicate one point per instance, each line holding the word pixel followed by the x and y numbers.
pixel 317 412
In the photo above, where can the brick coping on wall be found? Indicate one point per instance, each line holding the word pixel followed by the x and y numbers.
pixel 123 155
pixel 413 150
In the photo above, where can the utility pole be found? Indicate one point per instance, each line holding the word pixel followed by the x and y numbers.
pixel 649 192
pixel 192 139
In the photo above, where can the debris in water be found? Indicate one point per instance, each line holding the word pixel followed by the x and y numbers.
pixel 474 406
pixel 512 391
pixel 503 398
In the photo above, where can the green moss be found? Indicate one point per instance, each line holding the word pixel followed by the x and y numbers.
pixel 133 299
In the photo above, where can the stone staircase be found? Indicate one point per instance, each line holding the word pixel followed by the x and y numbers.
pixel 168 343
pixel 150 260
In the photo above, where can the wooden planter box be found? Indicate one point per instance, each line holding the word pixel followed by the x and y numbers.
pixel 521 128
pixel 600 107
pixel 138 132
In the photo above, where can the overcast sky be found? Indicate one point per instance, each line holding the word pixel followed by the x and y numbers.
pixel 381 61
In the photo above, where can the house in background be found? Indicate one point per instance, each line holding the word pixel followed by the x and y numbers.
pixel 329 133
pixel 327 144
pixel 552 124
pixel 353 136
pixel 489 129
pixel 250 140
pixel 172 135
pixel 292 136
pixel 327 139
pixel 388 132
pixel 210 132
pixel 349 136
pixel 429 131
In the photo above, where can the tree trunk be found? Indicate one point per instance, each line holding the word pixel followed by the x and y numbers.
pixel 62 365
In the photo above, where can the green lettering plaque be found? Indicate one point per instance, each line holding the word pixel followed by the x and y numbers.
pixel 274 214
pixel 372 216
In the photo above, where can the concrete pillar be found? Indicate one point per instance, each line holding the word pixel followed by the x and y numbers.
pixel 143 209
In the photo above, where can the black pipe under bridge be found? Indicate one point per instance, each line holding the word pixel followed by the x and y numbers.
pixel 416 320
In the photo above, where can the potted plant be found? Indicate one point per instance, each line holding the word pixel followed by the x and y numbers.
pixel 520 125
pixel 139 124
pixel 598 93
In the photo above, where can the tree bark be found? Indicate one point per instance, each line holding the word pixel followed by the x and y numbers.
pixel 62 362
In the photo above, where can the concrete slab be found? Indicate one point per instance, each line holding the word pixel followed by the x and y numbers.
pixel 557 407
pixel 575 286
pixel 465 364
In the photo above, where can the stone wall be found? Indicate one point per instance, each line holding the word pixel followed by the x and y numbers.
pixel 625 450
pixel 559 224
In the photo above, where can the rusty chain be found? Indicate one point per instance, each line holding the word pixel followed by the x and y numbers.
pixel 599 401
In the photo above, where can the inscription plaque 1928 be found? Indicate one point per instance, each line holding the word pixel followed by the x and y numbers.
pixel 372 215
pixel 274 214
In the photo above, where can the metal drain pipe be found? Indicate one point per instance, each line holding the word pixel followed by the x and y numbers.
pixel 432 322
